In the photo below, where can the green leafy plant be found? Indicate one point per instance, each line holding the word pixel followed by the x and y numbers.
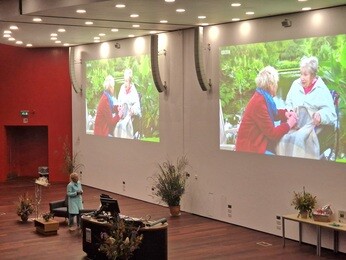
pixel 25 206
pixel 304 202
pixel 169 183
pixel 121 241
pixel 47 216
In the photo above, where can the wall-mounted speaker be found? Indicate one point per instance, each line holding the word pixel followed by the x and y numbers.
pixel 154 56
pixel 199 64
pixel 72 71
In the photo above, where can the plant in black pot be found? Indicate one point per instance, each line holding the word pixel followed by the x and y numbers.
pixel 169 183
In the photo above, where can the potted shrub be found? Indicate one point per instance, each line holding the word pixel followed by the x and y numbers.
pixel 71 161
pixel 169 183
pixel 25 207
pixel 304 202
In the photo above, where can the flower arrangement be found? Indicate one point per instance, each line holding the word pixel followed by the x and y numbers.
pixel 304 202
pixel 121 242
pixel 25 206
pixel 169 183
pixel 71 163
pixel 47 216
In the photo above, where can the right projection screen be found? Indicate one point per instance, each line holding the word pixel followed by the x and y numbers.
pixel 239 66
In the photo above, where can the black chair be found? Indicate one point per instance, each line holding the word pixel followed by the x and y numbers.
pixel 59 208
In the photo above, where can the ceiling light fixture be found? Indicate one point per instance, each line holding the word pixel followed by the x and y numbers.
pixel 7 35
pixel 169 1
pixel 134 15
pixel 7 31
pixel 115 30
pixel 66 44
pixel 37 19
pixel 57 41
pixel 53 34
pixel 28 45
pixel 236 4
pixel 201 17
pixel 19 42
pixel 11 39
pixel 89 23
pixel 306 8
pixel 120 6
pixel 61 30
pixel 235 19
pixel 250 13
pixel 102 34
pixel 180 10
pixel 14 27
pixel 163 21
pixel 131 35
pixel 135 25
pixel 53 38
pixel 81 11
pixel 97 38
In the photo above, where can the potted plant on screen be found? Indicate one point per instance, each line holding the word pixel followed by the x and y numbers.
pixel 304 202
pixel 169 183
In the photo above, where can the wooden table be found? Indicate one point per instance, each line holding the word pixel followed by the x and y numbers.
pixel 336 227
pixel 46 227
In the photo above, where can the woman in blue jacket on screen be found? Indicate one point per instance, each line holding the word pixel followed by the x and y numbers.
pixel 75 203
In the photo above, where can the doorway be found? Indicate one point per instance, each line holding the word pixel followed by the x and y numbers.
pixel 27 148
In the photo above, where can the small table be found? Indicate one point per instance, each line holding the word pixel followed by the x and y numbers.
pixel 319 226
pixel 46 228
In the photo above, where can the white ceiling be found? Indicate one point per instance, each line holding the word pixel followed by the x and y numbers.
pixel 56 14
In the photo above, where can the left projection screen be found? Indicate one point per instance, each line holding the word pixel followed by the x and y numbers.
pixel 121 99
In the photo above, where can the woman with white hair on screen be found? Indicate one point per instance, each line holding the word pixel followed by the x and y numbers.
pixel 257 132
pixel 104 120
pixel 312 101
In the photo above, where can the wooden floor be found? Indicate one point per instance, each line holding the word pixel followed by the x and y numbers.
pixel 189 236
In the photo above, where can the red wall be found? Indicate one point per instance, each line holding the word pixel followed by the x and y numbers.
pixel 36 79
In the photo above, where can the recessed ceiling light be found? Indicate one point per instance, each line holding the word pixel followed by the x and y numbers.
pixel 170 1
pixel 89 23
pixel 81 11
pixel 37 19
pixel 28 45
pixel 61 30
pixel 120 6
pixel 114 30
pixel 163 21
pixel 302 0
pixel 66 44
pixel 97 38
pixel 135 25
pixel 14 27
pixel 202 17
pixel 102 34
pixel 7 35
pixel 153 32
pixel 19 42
pixel 7 31
pixel 180 10
pixel 235 19
pixel 134 15
pixel 53 34
pixel 53 38
pixel 11 39
pixel 204 24
pixel 250 13
pixel 57 41
pixel 131 35
pixel 236 4
pixel 306 8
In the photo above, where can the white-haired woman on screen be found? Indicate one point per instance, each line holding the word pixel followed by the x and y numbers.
pixel 257 131
pixel 105 119
pixel 311 92
pixel 128 95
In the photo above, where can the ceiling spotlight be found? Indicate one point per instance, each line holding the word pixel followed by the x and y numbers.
pixel 286 23
pixel 14 27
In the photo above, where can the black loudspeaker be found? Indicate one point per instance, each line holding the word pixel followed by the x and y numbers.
pixel 199 64
pixel 72 71
pixel 154 52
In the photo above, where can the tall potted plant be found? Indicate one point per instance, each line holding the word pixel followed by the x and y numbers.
pixel 169 183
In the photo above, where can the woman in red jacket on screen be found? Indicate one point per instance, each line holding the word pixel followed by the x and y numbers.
pixel 257 132
pixel 105 116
